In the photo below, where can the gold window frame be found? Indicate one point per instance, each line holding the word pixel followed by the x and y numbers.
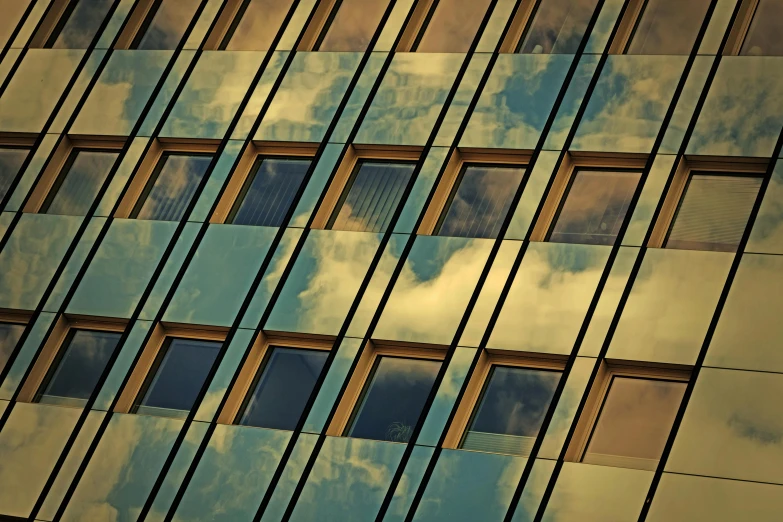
pixel 739 31
pixel 520 24
pixel 134 23
pixel 415 25
pixel 631 17
pixel 49 23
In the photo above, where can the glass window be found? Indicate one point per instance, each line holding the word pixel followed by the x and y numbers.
pixel 763 36
pixel 393 399
pixel 595 207
pixel 352 24
pixel 371 196
pixel 255 25
pixel 79 181
pixel 511 410
pixel 480 201
pixel 558 27
pixel 634 423
pixel 171 186
pixel 269 191
pixel 176 378
pixel 713 212
pixel 11 160
pixel 78 24
pixel 75 372
pixel 668 27
pixel 452 26
pixel 165 24
pixel 282 388
pixel 9 336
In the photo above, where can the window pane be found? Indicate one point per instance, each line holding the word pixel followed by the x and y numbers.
pixel 77 368
pixel 168 25
pixel 481 201
pixel 12 13
pixel 269 192
pixel 171 187
pixel 9 336
pixel 668 27
pixel 634 423
pixel 763 38
pixel 371 197
pixel 713 213
pixel 79 182
pixel 453 26
pixel 81 24
pixel 283 388
pixel 511 410
pixel 394 399
pixel 353 25
pixel 10 162
pixel 256 25
pixel 558 27
pixel 181 373
pixel 595 207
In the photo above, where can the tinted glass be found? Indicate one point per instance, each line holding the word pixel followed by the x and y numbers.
pixel 283 388
pixel 371 197
pixel 12 13
pixel 452 26
pixel 353 25
pixel 9 336
pixel 171 187
pixel 510 412
pixel 255 25
pixel 558 27
pixel 713 213
pixel 269 191
pixel 79 182
pixel 595 207
pixel 165 27
pixel 181 370
pixel 393 399
pixel 634 423
pixel 79 364
pixel 763 37
pixel 481 201
pixel 10 162
pixel 668 27
pixel 79 24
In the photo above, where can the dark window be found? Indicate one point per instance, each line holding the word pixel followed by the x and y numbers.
pixel 668 27
pixel 79 182
pixel 282 388
pixel 595 207
pixel 79 364
pixel 9 336
pixel 178 375
pixel 255 25
pixel 371 196
pixel 393 399
pixel 11 160
pixel 79 24
pixel 451 26
pixel 165 24
pixel 480 201
pixel 351 25
pixel 634 423
pixel 713 212
pixel 269 191
pixel 511 410
pixel 171 186
pixel 558 27
pixel 763 36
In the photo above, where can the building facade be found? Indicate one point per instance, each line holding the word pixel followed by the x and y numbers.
pixel 391 260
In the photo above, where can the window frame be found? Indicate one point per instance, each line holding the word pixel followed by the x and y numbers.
pixel 634 10
pixel 20 318
pixel 418 21
pixel 227 21
pixel 52 23
pixel 521 23
pixel 741 27
pixel 137 23
pixel 19 142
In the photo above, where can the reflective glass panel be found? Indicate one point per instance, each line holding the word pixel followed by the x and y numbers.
pixel 11 160
pixel 171 187
pixel 393 399
pixel 634 423
pixel 452 26
pixel 371 196
pixel 353 24
pixel 763 37
pixel 165 24
pixel 269 191
pixel 78 24
pixel 179 373
pixel 713 212
pixel 283 388
pixel 255 25
pixel 510 411
pixel 480 201
pixel 668 27
pixel 78 366
pixel 80 180
pixel 558 27
pixel 594 209
pixel 9 336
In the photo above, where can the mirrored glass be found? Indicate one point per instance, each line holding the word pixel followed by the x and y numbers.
pixel 558 27
pixel 233 356
pixel 12 10
pixel 668 27
pixel 25 355
pixel 79 24
pixel 645 209
pixel 572 101
pixel 452 26
pixel 11 160
pixel 165 24
pixel 79 182
pixel 353 25
pixel 171 187
pixel 763 37
pixel 358 98
pixel 409 484
pixel 9 336
pixel 767 233
pixel 463 99
pixel 418 196
pixel 686 104
pixel 255 25
pixel 534 490
pixel 321 175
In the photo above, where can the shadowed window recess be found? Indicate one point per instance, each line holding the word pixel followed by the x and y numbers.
pixel 282 388
pixel 78 24
pixel 713 212
pixel 165 24
pixel 558 27
pixel 595 207
pixel 171 186
pixel 11 160
pixel 510 410
pixel 79 182
pixel 371 196
pixel 269 191
pixel 9 336
pixel 667 27
pixel 393 399
pixel 763 36
pixel 480 200
pixel 78 366
pixel 255 25
pixel 451 26
pixel 351 25
pixel 176 378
